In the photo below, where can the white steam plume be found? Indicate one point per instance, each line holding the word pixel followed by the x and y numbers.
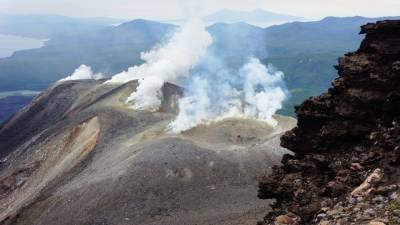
pixel 167 63
pixel 263 91
pixel 83 72
pixel 213 90
pixel 254 92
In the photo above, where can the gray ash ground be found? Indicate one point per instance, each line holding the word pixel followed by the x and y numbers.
pixel 79 155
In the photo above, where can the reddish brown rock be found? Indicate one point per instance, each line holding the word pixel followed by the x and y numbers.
pixel 344 136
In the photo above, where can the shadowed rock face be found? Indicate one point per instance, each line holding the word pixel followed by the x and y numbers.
pixel 79 155
pixel 347 142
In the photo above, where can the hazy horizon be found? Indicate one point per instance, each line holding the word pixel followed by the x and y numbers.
pixel 179 9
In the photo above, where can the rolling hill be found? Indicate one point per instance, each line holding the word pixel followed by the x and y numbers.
pixel 305 51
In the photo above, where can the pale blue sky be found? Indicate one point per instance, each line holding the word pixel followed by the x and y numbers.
pixel 173 9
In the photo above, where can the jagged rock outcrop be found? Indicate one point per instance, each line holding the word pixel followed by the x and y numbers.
pixel 346 167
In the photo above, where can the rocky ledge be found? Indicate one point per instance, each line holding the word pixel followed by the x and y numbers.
pixel 346 166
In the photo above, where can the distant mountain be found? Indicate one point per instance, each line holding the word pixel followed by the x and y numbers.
pixel 255 16
pixel 108 50
pixel 48 26
pixel 305 51
pixel 236 42
pixel 331 34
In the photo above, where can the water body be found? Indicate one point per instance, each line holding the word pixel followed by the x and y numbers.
pixel 25 93
pixel 11 43
pixel 13 101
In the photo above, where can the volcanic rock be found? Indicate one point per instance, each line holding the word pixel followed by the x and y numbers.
pixel 354 129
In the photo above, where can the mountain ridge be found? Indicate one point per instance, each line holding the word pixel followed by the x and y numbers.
pixel 304 51
pixel 78 154
pixel 49 25
pixel 256 15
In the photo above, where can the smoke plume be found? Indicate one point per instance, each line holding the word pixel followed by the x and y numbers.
pixel 167 63
pixel 83 72
pixel 216 93
pixel 213 89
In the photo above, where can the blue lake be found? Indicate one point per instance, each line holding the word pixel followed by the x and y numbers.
pixel 10 44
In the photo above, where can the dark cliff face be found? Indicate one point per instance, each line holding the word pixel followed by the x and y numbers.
pixel 347 143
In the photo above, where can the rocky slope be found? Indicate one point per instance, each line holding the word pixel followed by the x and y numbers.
pixel 346 167
pixel 79 155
